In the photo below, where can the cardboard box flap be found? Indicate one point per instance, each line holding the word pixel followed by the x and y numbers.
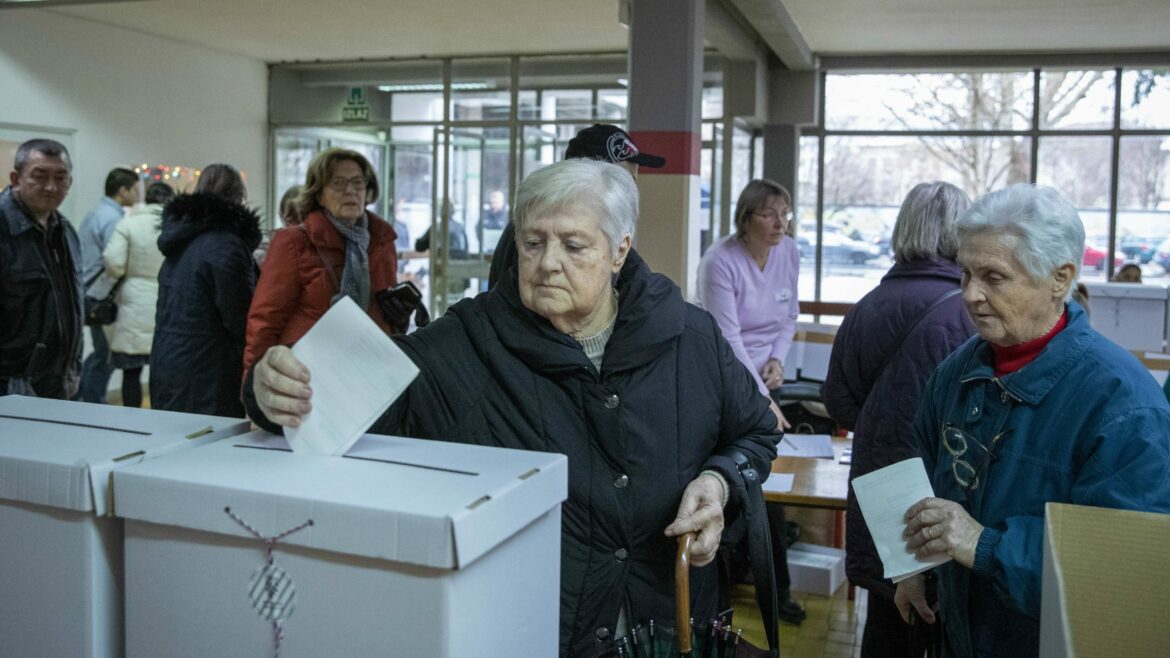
pixel 60 454
pixel 428 503
pixel 1106 588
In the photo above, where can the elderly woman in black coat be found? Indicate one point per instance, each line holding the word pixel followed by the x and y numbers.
pixel 204 290
pixel 582 350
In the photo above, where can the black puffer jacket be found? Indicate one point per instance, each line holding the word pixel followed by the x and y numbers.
pixel 670 401
pixel 205 288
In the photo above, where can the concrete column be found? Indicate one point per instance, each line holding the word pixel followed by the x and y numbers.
pixel 666 86
pixel 782 156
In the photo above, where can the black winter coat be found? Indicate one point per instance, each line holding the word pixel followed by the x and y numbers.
pixel 670 401
pixel 873 387
pixel 30 315
pixel 205 288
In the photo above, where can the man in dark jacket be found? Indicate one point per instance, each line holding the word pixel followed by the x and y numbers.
pixel 885 350
pixel 40 277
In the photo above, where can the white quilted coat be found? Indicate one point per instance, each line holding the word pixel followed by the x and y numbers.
pixel 133 253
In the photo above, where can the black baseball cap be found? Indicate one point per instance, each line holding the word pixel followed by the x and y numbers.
pixel 611 144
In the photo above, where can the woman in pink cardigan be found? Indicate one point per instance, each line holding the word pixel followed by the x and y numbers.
pixel 747 281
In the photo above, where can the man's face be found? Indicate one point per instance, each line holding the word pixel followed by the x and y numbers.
pixel 43 183
pixel 496 201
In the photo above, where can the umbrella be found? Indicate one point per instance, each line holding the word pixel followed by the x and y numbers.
pixel 711 638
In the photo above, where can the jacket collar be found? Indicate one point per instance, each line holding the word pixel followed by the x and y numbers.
pixel 17 216
pixel 651 314
pixel 1032 382
pixel 940 269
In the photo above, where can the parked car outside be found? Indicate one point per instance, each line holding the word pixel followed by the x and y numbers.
pixel 1162 255
pixel 1095 257
pixel 838 248
pixel 1138 249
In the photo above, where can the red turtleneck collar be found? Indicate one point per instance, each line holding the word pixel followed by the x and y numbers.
pixel 1011 359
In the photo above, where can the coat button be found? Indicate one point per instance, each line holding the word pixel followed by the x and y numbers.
pixel 611 401
pixel 602 634
pixel 975 410
pixel 621 554
pixel 621 481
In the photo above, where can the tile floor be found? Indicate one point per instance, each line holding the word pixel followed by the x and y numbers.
pixel 832 629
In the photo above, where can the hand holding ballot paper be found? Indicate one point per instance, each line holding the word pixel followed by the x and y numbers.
pixel 885 496
pixel 357 373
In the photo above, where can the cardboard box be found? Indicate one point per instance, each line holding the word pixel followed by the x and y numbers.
pixel 417 548
pixel 816 569
pixel 60 555
pixel 1133 315
pixel 1106 587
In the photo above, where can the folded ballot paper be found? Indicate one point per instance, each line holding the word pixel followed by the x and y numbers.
pixel 357 373
pixel 884 496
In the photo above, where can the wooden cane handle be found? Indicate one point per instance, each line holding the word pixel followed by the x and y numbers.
pixel 682 592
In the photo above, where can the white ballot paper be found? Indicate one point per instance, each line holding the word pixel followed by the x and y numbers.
pixel 806 445
pixel 779 482
pixel 884 496
pixel 357 373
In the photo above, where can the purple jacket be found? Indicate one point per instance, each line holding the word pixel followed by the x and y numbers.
pixel 873 387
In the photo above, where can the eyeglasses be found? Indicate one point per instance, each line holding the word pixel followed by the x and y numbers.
pixel 342 184
pixel 772 215
pixel 956 442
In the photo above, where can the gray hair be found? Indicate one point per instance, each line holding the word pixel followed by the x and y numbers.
pixel 602 190
pixel 1049 229
pixel 48 147
pixel 925 228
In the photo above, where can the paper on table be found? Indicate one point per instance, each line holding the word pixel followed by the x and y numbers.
pixel 779 482
pixel 884 496
pixel 806 445
pixel 357 373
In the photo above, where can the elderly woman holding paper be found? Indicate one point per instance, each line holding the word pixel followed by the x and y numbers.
pixel 585 351
pixel 1039 408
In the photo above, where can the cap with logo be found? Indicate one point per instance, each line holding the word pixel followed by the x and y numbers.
pixel 609 143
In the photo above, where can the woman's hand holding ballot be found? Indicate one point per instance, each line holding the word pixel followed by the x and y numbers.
pixel 935 526
pixel 282 387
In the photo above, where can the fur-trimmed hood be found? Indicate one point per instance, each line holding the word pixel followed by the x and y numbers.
pixel 189 215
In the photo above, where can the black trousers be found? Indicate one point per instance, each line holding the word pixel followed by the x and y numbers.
pixel 887 636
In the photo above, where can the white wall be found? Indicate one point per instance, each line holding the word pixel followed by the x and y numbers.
pixel 131 98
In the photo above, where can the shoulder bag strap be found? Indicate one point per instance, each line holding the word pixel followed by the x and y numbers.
pixel 909 328
pixel 324 260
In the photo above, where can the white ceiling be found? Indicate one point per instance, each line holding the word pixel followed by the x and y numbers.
pixel 286 30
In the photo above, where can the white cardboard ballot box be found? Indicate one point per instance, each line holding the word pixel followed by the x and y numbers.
pixel 60 554
pixel 1132 315
pixel 816 569
pixel 1105 588
pixel 416 548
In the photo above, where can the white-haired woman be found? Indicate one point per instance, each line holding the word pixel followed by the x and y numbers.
pixel 587 353
pixel 885 350
pixel 1040 408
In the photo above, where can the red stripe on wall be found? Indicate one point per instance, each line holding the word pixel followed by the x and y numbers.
pixel 680 148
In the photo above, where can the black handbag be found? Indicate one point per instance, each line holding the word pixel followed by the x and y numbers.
pixel 100 312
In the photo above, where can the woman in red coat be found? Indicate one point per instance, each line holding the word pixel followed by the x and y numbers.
pixel 340 249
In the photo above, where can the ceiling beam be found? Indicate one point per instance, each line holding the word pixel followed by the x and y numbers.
pixel 35 4
pixel 771 20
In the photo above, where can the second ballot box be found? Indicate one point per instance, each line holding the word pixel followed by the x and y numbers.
pixel 60 548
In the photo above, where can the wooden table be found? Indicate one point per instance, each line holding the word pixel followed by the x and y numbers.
pixel 820 483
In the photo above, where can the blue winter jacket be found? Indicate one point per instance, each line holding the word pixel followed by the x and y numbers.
pixel 1084 423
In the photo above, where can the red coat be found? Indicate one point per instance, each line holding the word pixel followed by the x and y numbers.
pixel 295 287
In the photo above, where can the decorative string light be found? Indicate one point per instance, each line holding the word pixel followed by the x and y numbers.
pixel 181 177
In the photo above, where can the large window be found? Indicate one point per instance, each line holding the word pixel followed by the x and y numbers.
pixel 1099 136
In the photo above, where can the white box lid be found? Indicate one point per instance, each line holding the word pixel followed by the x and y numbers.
pixel 1126 291
pixel 59 453
pixel 430 503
